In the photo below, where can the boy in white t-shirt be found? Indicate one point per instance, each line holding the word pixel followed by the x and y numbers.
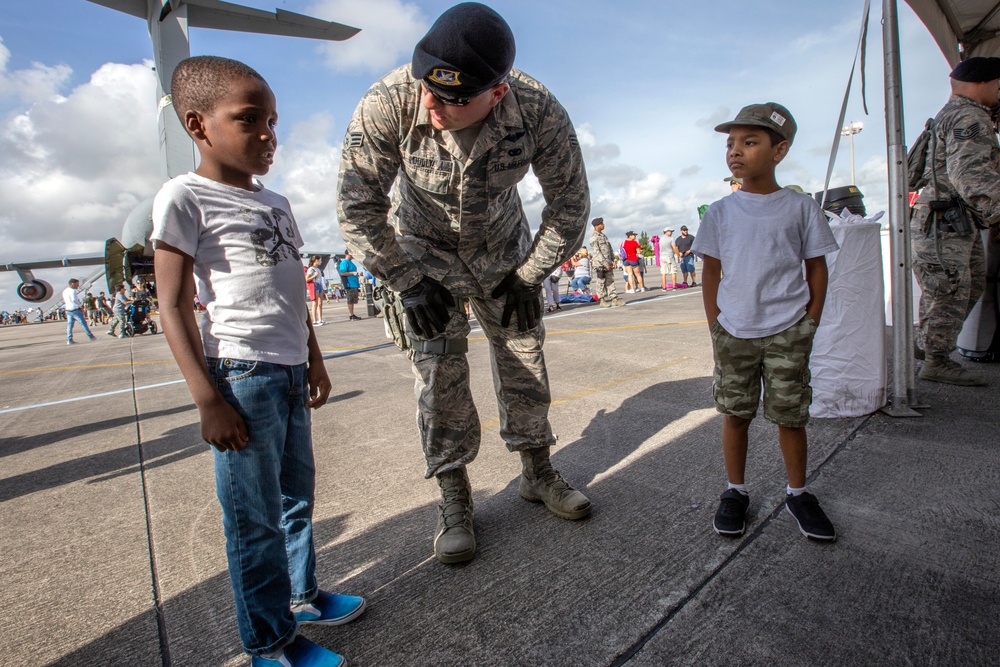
pixel 256 367
pixel 762 312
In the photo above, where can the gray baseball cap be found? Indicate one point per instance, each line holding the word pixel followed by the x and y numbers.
pixel 770 115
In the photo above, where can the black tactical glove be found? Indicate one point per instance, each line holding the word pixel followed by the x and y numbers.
pixel 426 306
pixel 522 298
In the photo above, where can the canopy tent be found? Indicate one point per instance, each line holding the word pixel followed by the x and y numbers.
pixel 961 28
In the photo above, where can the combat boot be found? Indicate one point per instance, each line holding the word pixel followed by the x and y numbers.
pixel 605 303
pixel 540 483
pixel 617 302
pixel 455 541
pixel 943 369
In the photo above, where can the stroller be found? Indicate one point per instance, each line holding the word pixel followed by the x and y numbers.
pixel 137 319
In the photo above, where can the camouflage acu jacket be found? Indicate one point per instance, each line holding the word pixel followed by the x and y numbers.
pixel 967 158
pixel 458 220
pixel 601 252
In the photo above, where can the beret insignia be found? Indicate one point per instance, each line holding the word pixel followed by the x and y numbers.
pixel 444 77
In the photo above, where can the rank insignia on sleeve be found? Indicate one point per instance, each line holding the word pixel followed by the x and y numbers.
pixel 966 133
pixel 355 139
pixel 573 141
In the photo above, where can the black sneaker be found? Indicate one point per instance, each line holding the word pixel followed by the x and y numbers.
pixel 806 511
pixel 353 318
pixel 730 518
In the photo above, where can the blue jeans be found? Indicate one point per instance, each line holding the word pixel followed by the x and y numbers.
pixel 76 316
pixel 266 492
pixel 579 283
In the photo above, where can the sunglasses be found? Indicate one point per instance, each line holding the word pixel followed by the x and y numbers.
pixel 449 101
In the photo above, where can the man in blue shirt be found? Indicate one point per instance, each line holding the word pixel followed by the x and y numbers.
pixel 349 278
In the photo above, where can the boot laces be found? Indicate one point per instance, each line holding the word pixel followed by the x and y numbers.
pixel 547 476
pixel 455 505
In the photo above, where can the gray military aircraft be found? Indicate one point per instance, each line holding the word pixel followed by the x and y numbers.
pixel 168 22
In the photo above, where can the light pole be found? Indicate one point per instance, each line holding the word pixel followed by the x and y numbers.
pixel 850 131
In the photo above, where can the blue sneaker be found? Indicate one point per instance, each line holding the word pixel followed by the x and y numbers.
pixel 329 609
pixel 301 653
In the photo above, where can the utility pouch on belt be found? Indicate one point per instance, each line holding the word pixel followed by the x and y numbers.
pixel 393 315
pixel 952 216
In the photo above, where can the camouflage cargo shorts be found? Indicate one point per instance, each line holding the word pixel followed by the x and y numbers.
pixel 780 361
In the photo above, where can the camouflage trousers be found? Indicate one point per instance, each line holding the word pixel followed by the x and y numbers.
pixel 951 272
pixel 604 287
pixel 780 361
pixel 446 415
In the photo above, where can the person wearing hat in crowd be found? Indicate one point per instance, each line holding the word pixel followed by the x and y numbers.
pixel 734 183
pixel 686 256
pixel 947 253
pixel 669 259
pixel 632 260
pixel 450 135
pixel 602 266
pixel 763 309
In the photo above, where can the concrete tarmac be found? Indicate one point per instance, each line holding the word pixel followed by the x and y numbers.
pixel 112 550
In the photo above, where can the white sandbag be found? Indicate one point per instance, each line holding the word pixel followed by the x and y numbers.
pixel 848 358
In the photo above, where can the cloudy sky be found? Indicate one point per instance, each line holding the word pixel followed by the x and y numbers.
pixel 644 81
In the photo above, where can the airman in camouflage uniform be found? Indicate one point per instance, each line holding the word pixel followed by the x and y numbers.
pixel 603 256
pixel 450 137
pixel 963 165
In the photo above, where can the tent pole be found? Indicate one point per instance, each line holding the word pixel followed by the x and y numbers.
pixel 903 384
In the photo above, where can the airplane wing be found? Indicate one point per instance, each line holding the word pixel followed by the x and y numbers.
pixel 228 16
pixel 74 260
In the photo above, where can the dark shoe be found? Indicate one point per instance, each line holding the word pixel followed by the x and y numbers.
pixel 947 371
pixel 455 541
pixel 730 518
pixel 353 317
pixel 812 521
pixel 541 483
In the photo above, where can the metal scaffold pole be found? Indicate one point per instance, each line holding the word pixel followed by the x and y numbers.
pixel 903 384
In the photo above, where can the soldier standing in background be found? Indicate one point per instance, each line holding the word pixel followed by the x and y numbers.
pixel 962 195
pixel 451 136
pixel 602 258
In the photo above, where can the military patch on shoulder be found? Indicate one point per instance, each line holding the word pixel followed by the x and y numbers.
pixel 966 133
pixel 355 139
pixel 444 77
pixel 573 141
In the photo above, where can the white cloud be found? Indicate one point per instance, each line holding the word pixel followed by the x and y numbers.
pixel 391 29
pixel 305 171
pixel 40 82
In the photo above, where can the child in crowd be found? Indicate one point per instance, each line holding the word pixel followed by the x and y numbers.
pixel 256 367
pixel 762 312
pixel 119 311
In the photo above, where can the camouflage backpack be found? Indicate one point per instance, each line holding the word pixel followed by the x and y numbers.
pixel 916 158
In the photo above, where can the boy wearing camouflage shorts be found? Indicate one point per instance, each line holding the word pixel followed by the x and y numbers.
pixel 762 312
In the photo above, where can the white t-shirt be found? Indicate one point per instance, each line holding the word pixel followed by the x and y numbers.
pixel 583 270
pixel 762 241
pixel 245 247
pixel 71 300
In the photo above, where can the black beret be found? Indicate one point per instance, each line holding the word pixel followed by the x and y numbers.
pixel 977 70
pixel 597 221
pixel 469 49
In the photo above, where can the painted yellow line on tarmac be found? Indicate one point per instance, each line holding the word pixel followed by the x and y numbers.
pixel 606 329
pixel 92 366
pixel 135 363
pixel 597 388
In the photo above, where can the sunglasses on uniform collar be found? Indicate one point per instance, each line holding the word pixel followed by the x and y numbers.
pixel 449 101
